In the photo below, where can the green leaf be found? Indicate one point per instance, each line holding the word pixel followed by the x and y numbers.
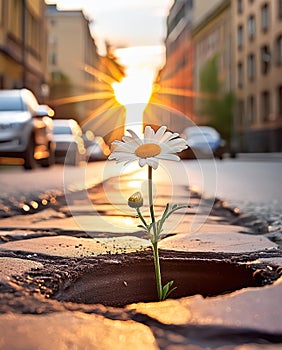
pixel 166 290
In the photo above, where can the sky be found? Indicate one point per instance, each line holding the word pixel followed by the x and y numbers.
pixel 137 28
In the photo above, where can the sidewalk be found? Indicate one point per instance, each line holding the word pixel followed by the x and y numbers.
pixel 60 265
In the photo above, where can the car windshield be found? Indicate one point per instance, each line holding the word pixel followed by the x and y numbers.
pixel 62 130
pixel 11 103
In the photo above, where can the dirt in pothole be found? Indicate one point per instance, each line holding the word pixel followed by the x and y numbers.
pixel 117 280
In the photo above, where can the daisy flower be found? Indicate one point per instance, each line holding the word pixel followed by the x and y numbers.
pixel 157 145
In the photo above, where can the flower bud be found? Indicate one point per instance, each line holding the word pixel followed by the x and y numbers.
pixel 136 200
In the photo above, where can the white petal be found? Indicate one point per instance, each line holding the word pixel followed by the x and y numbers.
pixel 177 143
pixel 122 156
pixel 142 162
pixel 129 139
pixel 168 156
pixel 135 137
pixel 123 147
pixel 148 134
pixel 153 162
pixel 168 136
pixel 160 133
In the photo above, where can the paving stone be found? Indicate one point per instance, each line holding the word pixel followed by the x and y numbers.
pixel 72 331
pixel 217 242
pixel 249 308
pixel 65 246
pixel 15 266
pixel 86 223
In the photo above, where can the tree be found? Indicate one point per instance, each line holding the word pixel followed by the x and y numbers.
pixel 215 104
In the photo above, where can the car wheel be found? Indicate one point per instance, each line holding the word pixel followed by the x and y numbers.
pixel 28 156
pixel 47 162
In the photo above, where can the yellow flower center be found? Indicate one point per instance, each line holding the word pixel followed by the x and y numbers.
pixel 148 150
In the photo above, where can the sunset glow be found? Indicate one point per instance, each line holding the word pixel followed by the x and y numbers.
pixel 135 90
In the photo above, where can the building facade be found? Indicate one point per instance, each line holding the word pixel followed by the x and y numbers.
pixel 72 54
pixel 257 52
pixel 23 45
pixel 245 37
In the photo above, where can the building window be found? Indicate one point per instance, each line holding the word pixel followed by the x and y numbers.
pixel 264 17
pixel 279 101
pixel 251 27
pixel 265 105
pixel 279 50
pixel 279 4
pixel 251 110
pixel 53 58
pixel 240 6
pixel 240 75
pixel 240 37
pixel 240 112
pixel 251 67
pixel 265 59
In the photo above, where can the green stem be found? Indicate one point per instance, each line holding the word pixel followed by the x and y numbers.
pixel 151 205
pixel 155 243
pixel 158 271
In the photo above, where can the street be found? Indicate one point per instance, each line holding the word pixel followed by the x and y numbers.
pixel 251 183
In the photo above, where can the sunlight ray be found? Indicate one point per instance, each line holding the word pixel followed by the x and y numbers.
pixel 112 103
pixel 100 75
pixel 81 98
pixel 184 92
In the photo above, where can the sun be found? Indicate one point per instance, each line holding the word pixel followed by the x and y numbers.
pixel 134 92
pixel 135 88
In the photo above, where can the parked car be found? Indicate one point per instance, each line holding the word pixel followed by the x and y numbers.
pixel 26 128
pixel 203 142
pixel 97 149
pixel 70 148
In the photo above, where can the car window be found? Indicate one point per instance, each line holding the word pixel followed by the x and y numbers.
pixel 62 130
pixel 11 103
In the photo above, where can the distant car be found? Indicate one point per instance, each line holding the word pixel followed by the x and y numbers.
pixel 203 142
pixel 26 128
pixel 97 149
pixel 70 148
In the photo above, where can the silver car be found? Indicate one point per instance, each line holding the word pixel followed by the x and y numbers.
pixel 26 128
pixel 70 147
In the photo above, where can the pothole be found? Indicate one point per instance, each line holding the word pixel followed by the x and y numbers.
pixel 127 279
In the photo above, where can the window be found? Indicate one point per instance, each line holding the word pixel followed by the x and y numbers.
pixel 279 4
pixel 240 75
pixel 240 6
pixel 265 105
pixel 264 17
pixel 53 58
pixel 251 109
pixel 279 50
pixel 279 101
pixel 240 112
pixel 240 37
pixel 251 67
pixel 251 27
pixel 265 59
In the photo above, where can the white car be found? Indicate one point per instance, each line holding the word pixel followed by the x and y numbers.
pixel 70 148
pixel 26 128
pixel 203 142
